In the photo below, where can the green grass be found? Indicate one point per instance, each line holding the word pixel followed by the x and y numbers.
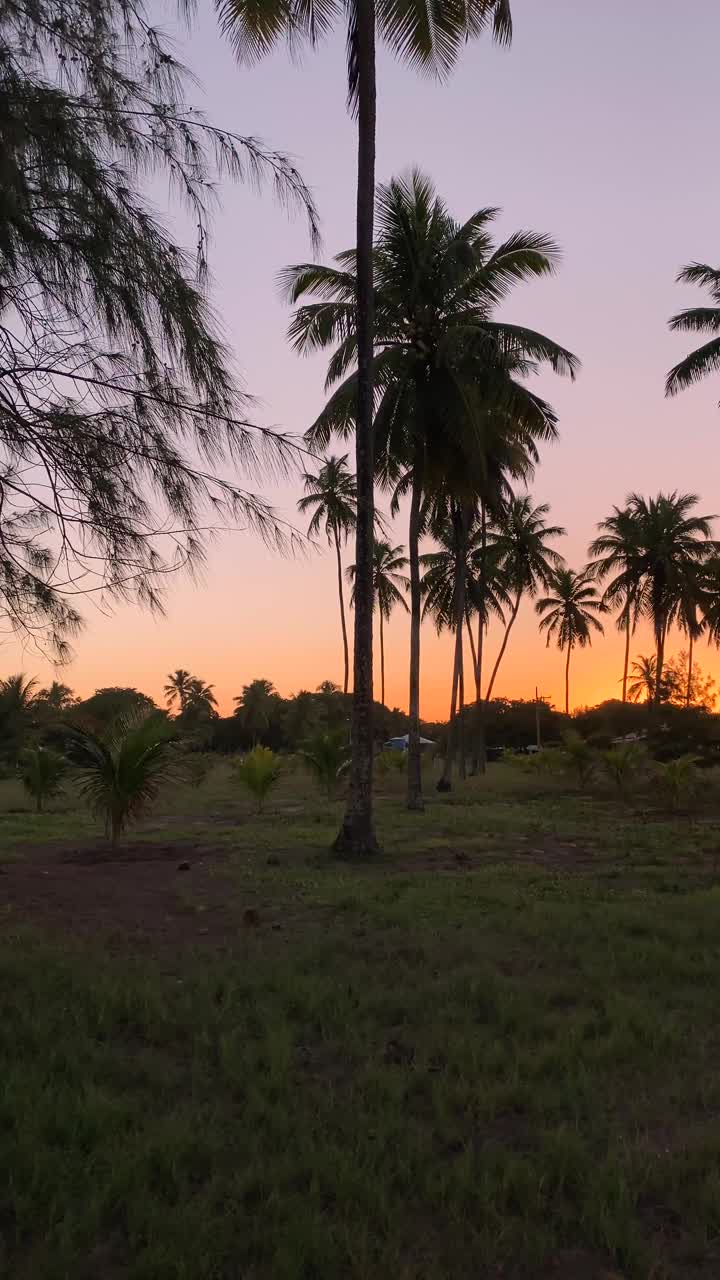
pixel 492 1053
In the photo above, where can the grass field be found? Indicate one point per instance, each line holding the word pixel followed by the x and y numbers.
pixel 491 1053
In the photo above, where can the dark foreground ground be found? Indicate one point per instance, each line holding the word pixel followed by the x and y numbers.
pixel 495 1052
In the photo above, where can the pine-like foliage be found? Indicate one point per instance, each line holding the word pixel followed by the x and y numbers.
pixel 117 398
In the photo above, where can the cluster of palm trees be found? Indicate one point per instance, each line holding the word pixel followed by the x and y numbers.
pixel 189 696
pixel 660 563
pixel 654 560
pixel 455 425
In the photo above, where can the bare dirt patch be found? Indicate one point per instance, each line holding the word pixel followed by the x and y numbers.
pixel 159 892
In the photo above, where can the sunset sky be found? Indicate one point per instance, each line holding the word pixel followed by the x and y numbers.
pixel 599 126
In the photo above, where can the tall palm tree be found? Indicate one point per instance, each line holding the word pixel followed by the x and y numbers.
pixel 433 42
pixel 177 689
pixel 445 369
pixel 617 551
pixel 522 545
pixel 569 615
pixel 705 359
pixel 255 706
pixel 389 585
pixel 673 545
pixel 482 592
pixel 331 496
pixel 690 616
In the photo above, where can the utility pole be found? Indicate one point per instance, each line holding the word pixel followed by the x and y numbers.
pixel 538 736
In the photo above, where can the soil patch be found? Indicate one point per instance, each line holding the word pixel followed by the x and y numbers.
pixel 142 892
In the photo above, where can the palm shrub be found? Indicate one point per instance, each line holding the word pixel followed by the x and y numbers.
pixel 578 757
pixel 41 773
pixel 390 761
pixel 121 772
pixel 677 782
pixel 259 770
pixel 622 764
pixel 326 755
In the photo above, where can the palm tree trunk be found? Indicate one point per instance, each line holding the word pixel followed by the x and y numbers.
pixel 567 681
pixel 688 691
pixel 382 660
pixel 341 598
pixel 414 779
pixel 627 650
pixel 479 745
pixel 473 650
pixel 462 769
pixel 659 660
pixel 357 834
pixel 503 646
pixel 460 525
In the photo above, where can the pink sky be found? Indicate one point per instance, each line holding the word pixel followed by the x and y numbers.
pixel 598 126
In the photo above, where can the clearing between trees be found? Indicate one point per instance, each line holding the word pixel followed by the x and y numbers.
pixel 491 1051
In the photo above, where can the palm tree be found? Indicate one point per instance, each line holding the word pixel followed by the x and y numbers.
pixel 331 495
pixel 255 706
pixel 120 773
pixel 569 615
pixel 705 359
pixel 200 701
pixel 690 617
pixel 326 756
pixel 673 545
pixel 483 592
pixel 527 561
pixel 389 583
pixel 55 698
pixel 18 693
pixel 444 366
pixel 643 678
pixel 617 551
pixel 432 42
pixel 177 688
pixel 41 773
pixel 17 705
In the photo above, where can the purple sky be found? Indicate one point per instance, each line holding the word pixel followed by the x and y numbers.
pixel 599 126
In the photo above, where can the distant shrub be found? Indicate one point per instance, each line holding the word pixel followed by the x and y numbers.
pixel 678 782
pixel 390 761
pixel 326 755
pixel 259 770
pixel 578 757
pixel 42 772
pixel 623 765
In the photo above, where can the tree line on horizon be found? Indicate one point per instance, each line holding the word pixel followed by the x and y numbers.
pixel 119 400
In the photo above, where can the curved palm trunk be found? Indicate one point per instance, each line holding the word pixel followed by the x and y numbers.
pixel 567 682
pixel 503 646
pixel 341 597
pixel 382 660
pixel 357 834
pixel 688 691
pixel 627 651
pixel 414 778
